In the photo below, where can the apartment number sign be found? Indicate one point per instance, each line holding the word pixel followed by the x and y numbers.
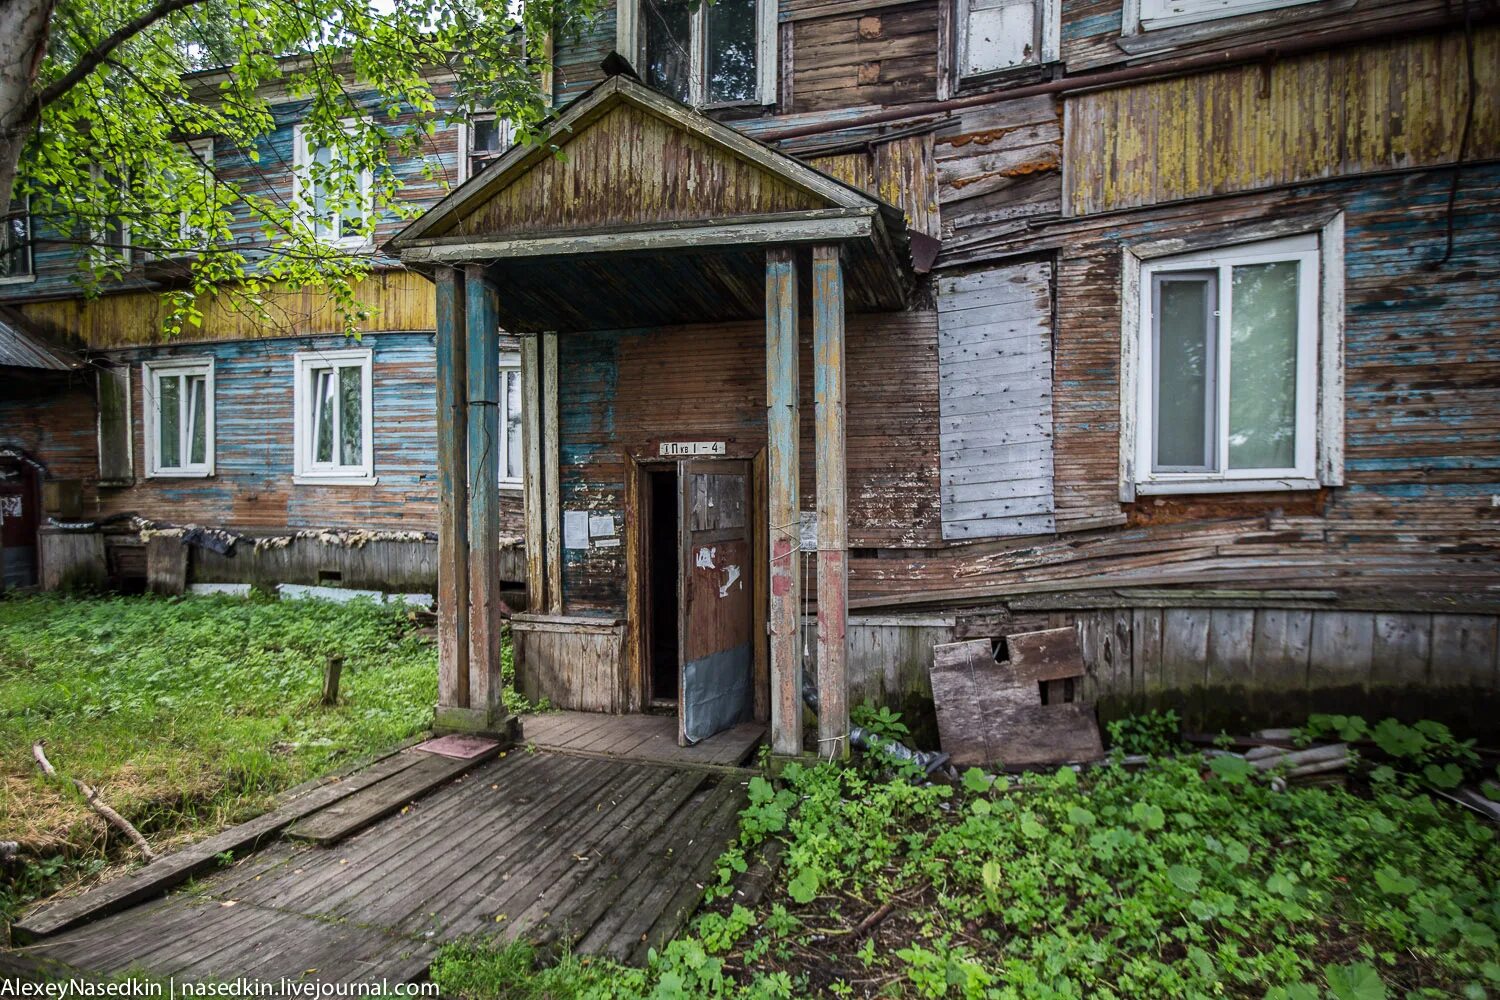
pixel 678 449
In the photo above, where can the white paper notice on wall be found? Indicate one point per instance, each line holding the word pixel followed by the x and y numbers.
pixel 575 529
pixel 809 526
pixel 601 525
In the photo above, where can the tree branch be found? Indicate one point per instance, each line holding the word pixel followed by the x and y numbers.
pixel 92 59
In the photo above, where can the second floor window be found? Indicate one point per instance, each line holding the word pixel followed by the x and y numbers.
pixel 15 243
pixel 998 35
pixel 112 233
pixel 708 54
pixel 335 213
pixel 333 414
pixel 484 137
pixel 179 405
pixel 200 192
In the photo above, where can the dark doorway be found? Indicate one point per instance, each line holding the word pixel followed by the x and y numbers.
pixel 20 517
pixel 663 554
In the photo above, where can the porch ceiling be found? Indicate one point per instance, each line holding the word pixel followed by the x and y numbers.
pixel 652 214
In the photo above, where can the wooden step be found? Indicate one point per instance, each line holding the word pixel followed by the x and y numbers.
pixel 355 812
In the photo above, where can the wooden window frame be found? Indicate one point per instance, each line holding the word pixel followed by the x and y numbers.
pixel 1140 16
pixel 30 249
pixel 1320 405
pixel 630 42
pixel 124 254
pixel 510 361
pixel 129 406
pixel 151 372
pixel 302 192
pixel 202 151
pixel 1049 50
pixel 466 136
pixel 306 471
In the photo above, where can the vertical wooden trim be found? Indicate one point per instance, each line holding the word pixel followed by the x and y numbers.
pixel 1331 362
pixel 761 676
pixel 453 515
pixel 637 567
pixel 946 49
pixel 551 471
pixel 1050 12
pixel 482 323
pixel 531 473
pixel 765 50
pixel 783 420
pixel 547 77
pixel 1130 331
pixel 787 69
pixel 833 529
pixel 626 38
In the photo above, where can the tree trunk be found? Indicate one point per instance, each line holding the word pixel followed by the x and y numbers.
pixel 23 44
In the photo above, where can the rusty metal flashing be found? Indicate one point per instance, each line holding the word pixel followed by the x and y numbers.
pixel 1237 55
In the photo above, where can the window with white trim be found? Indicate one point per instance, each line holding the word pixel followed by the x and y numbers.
pixel 718 54
pixel 511 453
pixel 993 36
pixel 16 261
pixel 1228 365
pixel 327 199
pixel 1153 14
pixel 179 407
pixel 112 234
pixel 199 190
pixel 333 434
pixel 481 141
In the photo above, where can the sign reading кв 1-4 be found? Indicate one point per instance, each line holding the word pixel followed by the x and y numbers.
pixel 678 448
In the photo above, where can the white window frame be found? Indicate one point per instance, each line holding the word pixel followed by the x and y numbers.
pixel 1319 246
pixel 151 372
pixel 1048 16
pixel 306 471
pixel 1154 15
pixel 630 40
pixel 302 191
pixel 202 152
pixel 466 137
pixel 123 253
pixel 510 361
pixel 30 249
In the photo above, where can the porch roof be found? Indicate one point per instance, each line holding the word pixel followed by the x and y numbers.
pixel 636 210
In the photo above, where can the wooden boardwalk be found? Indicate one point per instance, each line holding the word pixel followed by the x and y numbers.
pixel 638 737
pixel 607 855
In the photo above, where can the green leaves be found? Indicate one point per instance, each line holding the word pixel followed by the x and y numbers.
pixel 1233 770
pixel 1148 816
pixel 804 886
pixel 1358 981
pixel 1185 877
pixel 1393 883
pixel 975 780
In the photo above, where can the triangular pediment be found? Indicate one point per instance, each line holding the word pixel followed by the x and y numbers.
pixel 623 157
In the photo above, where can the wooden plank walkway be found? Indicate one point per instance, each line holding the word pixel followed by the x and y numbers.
pixel 609 856
pixel 638 737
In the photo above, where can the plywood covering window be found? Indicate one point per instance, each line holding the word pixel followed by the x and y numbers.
pixel 334 203
pixel 334 439
pixel 719 54
pixel 1151 14
pixel 179 408
pixel 16 262
pixel 511 452
pixel 1228 386
pixel 116 460
pixel 993 36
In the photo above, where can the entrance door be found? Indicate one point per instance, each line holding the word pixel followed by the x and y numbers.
pixel 19 521
pixel 717 638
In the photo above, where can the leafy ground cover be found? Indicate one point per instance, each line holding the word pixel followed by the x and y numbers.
pixel 1175 880
pixel 187 714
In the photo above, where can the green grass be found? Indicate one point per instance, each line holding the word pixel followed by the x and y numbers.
pixel 1176 881
pixel 187 714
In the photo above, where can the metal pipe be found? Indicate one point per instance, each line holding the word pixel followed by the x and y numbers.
pixel 1234 56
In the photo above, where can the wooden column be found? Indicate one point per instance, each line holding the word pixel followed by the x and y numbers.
pixel 453 477
pixel 783 417
pixel 833 520
pixel 552 476
pixel 532 474
pixel 483 357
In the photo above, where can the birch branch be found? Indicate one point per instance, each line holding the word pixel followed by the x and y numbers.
pixel 91 795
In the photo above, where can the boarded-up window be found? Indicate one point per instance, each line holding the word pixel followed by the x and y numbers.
pixel 997 35
pixel 116 462
pixel 995 386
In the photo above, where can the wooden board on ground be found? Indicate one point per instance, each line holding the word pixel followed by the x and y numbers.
pixel 357 811
pixel 992 712
pixel 650 738
pixel 176 868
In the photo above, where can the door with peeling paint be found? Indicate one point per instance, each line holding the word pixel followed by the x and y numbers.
pixel 717 640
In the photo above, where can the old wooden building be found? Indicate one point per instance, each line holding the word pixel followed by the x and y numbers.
pixel 848 329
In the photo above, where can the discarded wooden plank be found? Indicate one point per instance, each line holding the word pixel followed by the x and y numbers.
pixel 357 811
pixel 956 687
pixel 174 869
pixel 1048 734
pixel 166 565
pixel 1050 655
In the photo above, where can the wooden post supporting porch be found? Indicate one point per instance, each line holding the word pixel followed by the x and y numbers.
pixel 783 417
pixel 833 525
pixel 483 358
pixel 453 512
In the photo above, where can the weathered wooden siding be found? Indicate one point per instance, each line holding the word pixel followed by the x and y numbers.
pixel 397 300
pixel 1346 111
pixel 52 419
pixel 632 167
pixel 995 387
pixel 881 54
pixel 252 487
pixel 624 393
pixel 888 662
pixel 572 663
pixel 576 57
